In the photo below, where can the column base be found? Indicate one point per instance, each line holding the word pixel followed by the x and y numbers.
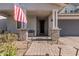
pixel 55 35
pixel 23 34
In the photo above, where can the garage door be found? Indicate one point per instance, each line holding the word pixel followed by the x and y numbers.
pixel 69 27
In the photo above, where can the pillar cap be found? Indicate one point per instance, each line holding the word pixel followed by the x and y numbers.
pixel 22 29
pixel 56 29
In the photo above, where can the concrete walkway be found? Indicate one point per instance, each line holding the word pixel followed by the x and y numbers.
pixel 42 48
pixel 39 48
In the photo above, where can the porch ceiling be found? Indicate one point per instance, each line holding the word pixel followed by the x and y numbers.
pixel 39 13
pixel 38 9
pixel 9 14
pixel 33 6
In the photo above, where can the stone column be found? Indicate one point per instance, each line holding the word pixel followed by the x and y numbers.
pixel 23 34
pixel 55 33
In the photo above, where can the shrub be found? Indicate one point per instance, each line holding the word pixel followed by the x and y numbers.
pixel 8 50
pixel 8 37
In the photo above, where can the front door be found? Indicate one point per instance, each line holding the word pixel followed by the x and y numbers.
pixel 42 27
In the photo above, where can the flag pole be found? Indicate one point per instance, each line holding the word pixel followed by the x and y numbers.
pixel 24 25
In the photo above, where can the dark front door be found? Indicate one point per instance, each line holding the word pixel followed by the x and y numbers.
pixel 42 26
pixel 42 23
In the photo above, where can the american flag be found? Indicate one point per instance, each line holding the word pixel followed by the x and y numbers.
pixel 19 14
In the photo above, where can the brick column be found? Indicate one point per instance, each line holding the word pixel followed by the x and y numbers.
pixel 55 32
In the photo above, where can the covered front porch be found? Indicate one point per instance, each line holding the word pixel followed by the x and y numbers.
pixel 42 20
pixel 43 25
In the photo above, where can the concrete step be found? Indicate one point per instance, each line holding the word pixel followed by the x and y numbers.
pixel 41 39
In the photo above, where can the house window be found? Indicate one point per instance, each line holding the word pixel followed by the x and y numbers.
pixel 65 11
pixel 18 25
pixel 71 11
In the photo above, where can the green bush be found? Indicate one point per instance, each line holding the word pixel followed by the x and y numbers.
pixel 8 50
pixel 8 37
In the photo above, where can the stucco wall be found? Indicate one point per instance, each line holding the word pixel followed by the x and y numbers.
pixel 32 23
pixel 9 23
pixel 3 24
pixel 49 25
